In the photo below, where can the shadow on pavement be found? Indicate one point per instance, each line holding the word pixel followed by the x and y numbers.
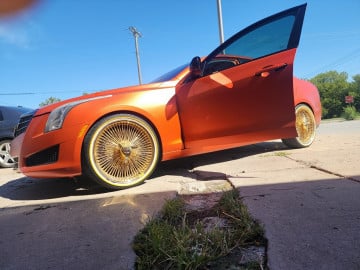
pixel 171 167
pixel 86 234
pixel 309 225
pixel 26 188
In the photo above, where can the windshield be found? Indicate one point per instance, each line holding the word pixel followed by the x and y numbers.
pixel 171 74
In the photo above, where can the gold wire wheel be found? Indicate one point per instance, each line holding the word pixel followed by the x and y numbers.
pixel 305 124
pixel 305 127
pixel 123 151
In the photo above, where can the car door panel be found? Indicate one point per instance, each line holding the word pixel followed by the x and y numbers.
pixel 225 104
pixel 246 91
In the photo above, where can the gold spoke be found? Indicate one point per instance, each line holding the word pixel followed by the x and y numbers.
pixel 305 126
pixel 123 151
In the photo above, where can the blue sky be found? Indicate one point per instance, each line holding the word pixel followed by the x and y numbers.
pixel 63 48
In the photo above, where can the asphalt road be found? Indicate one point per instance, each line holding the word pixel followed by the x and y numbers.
pixel 307 199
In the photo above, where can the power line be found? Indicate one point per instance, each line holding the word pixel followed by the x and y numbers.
pixel 338 62
pixel 16 94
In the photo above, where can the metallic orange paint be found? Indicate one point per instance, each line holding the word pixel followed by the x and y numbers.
pixel 158 104
pixel 305 92
pixel 247 103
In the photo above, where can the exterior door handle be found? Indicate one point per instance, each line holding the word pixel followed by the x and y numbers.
pixel 266 71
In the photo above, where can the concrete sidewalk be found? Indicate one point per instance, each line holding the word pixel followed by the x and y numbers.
pixel 307 199
pixel 311 218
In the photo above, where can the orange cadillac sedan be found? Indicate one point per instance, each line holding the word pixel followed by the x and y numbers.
pixel 241 93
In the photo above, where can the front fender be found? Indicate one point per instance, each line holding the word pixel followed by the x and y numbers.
pixel 156 106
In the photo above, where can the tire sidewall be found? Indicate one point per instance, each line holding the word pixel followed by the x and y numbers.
pixel 311 114
pixel 89 168
pixel 6 165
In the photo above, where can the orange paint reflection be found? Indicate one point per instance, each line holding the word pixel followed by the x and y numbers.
pixel 220 78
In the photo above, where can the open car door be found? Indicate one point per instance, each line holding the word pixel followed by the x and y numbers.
pixel 243 91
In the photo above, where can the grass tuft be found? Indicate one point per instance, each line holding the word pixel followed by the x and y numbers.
pixel 178 240
pixel 281 154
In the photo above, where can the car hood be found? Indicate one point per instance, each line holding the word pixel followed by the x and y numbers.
pixel 117 91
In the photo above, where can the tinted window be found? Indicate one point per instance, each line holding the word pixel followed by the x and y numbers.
pixel 268 39
pixel 260 40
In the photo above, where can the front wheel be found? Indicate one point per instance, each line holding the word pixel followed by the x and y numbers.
pixel 305 127
pixel 120 151
pixel 6 161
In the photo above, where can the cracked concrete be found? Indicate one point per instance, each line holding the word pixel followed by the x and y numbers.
pixel 307 199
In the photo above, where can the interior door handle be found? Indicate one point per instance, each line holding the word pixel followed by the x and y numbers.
pixel 266 71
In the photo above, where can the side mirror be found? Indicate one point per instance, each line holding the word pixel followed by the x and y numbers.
pixel 195 67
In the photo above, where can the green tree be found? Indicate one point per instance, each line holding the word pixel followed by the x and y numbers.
pixel 49 100
pixel 355 91
pixel 333 87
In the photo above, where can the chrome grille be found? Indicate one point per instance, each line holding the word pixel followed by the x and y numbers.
pixel 24 122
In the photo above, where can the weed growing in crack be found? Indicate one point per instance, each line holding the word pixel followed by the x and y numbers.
pixel 281 154
pixel 180 239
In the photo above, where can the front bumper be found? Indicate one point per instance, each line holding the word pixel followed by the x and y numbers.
pixel 49 155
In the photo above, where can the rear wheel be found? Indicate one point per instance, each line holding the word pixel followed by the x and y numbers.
pixel 120 151
pixel 6 161
pixel 305 127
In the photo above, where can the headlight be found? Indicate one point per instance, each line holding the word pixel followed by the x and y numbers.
pixel 57 116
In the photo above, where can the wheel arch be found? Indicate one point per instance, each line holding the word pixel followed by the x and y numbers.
pixel 305 103
pixel 90 167
pixel 307 93
pixel 6 139
pixel 305 126
pixel 135 113
pixel 157 108
pixel 309 104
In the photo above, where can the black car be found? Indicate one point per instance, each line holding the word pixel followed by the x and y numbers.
pixel 9 118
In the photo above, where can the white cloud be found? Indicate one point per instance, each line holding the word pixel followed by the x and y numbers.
pixel 15 36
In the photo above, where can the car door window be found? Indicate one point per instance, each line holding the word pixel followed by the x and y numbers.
pixel 259 40
pixel 270 38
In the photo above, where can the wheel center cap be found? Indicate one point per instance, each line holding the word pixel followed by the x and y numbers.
pixel 126 151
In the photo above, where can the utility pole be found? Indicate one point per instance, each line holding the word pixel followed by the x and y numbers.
pixel 221 30
pixel 136 35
